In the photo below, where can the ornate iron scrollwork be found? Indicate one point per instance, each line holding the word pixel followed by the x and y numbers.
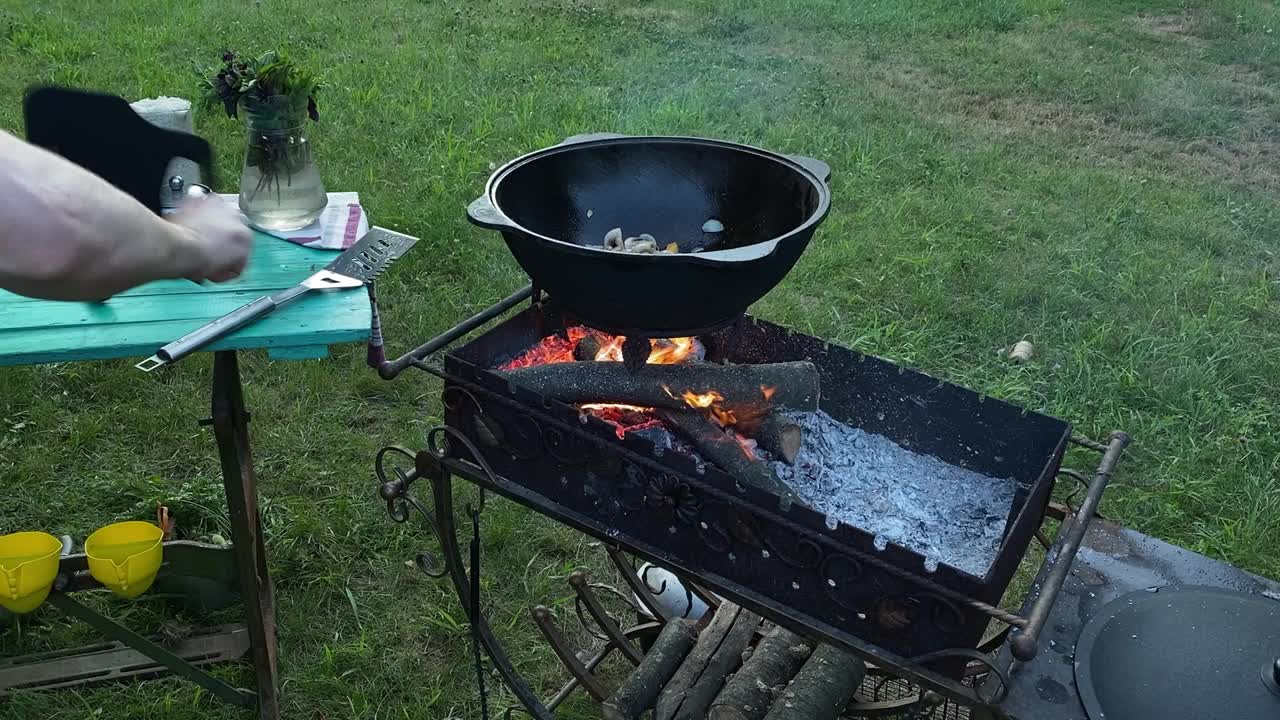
pixel 394 486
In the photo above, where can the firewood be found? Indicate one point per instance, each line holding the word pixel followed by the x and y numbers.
pixel 587 349
pixel 776 433
pixel 749 693
pixel 635 352
pixel 640 690
pixel 714 444
pixel 791 385
pixel 717 653
pixel 822 688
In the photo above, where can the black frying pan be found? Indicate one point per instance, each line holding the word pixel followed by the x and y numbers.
pixel 554 207
pixel 102 134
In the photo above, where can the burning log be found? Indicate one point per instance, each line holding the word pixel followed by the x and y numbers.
pixel 750 693
pixel 822 688
pixel 641 688
pixel 714 444
pixel 791 385
pixel 776 433
pixel 717 653
pixel 587 349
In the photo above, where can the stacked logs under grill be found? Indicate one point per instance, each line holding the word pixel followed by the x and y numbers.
pixel 736 668
pixel 749 400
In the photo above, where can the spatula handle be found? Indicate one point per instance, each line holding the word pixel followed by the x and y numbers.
pixel 216 329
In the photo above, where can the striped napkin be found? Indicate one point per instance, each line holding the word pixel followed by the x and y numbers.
pixel 342 222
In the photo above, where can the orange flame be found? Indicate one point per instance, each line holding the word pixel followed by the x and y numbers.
pixel 552 349
pixel 748 446
pixel 701 400
pixel 724 417
pixel 767 391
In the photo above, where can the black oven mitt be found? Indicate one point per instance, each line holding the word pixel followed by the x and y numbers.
pixel 102 134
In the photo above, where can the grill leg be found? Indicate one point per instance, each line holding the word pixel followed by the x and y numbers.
pixel 442 494
pixel 231 428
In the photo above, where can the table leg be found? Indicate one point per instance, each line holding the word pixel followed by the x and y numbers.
pixel 231 428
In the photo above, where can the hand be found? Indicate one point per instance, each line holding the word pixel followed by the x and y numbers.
pixel 220 241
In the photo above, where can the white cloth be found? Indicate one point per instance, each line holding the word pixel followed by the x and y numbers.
pixel 342 222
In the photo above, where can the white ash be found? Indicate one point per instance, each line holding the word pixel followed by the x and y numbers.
pixel 946 513
pixel 712 226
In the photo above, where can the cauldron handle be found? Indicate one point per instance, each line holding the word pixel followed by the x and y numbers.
pixel 484 213
pixel 813 165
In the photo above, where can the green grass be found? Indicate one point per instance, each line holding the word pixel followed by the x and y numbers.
pixel 1099 177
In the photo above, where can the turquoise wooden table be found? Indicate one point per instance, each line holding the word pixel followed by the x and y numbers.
pixel 137 322
pixel 133 325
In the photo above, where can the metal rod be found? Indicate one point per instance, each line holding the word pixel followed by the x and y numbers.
pixel 175 664
pixel 389 369
pixel 578 581
pixel 547 625
pixel 1025 644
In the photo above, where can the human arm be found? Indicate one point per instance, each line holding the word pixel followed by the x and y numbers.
pixel 66 234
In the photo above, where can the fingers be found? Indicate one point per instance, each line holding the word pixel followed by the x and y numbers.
pixel 224 242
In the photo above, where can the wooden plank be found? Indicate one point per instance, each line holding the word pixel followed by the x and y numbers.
pixel 301 352
pixel 137 322
pixel 197 308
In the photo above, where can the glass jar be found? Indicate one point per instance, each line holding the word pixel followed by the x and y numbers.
pixel 280 186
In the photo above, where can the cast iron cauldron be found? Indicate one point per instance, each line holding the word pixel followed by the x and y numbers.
pixel 554 207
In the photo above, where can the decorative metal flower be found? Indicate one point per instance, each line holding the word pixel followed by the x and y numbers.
pixel 665 491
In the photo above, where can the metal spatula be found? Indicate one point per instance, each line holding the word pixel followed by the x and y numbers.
pixel 358 264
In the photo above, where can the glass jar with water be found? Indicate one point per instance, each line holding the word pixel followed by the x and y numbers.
pixel 280 186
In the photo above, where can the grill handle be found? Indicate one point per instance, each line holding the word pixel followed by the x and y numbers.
pixel 389 369
pixel 1025 643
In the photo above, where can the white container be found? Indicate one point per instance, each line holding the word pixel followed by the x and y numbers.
pixel 171 113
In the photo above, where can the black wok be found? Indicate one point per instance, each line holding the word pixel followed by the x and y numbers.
pixel 554 207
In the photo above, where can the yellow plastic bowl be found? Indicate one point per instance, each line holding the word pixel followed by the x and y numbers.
pixel 29 564
pixel 125 557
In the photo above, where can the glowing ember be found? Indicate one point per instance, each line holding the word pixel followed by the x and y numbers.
pixel 768 391
pixel 623 418
pixel 553 348
pixel 618 407
pixel 748 445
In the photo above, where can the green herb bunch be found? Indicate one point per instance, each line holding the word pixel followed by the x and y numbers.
pixel 271 75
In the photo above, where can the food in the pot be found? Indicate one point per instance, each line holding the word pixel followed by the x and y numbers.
pixel 642 244
pixel 613 239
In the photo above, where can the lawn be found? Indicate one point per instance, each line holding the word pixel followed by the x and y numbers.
pixel 1100 177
